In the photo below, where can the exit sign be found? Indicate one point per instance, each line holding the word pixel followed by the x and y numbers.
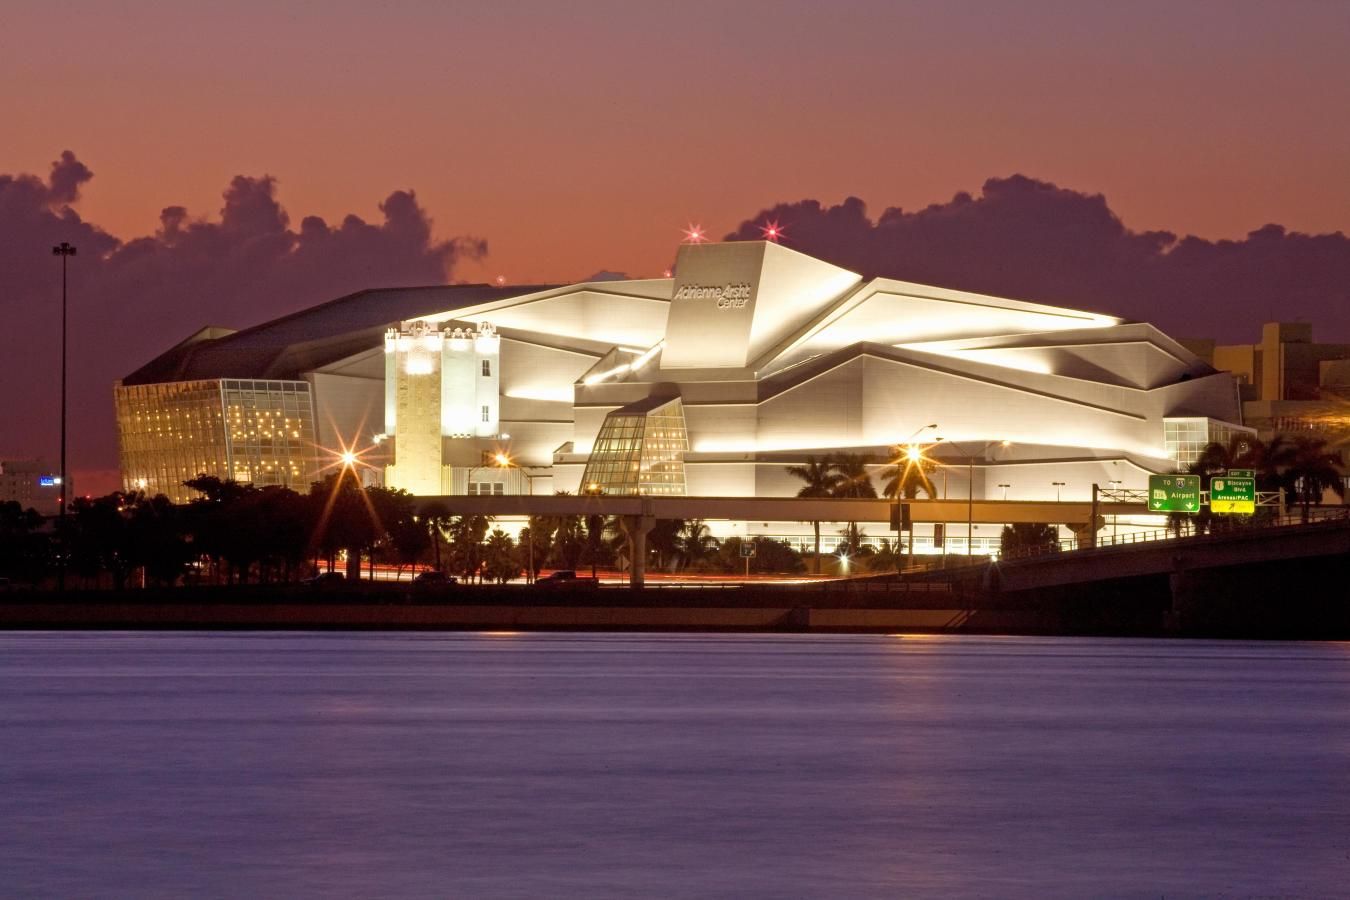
pixel 1174 493
pixel 1232 495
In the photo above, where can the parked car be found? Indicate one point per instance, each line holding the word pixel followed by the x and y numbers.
pixel 434 579
pixel 565 577
pixel 326 580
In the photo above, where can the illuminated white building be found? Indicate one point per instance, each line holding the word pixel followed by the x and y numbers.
pixel 752 357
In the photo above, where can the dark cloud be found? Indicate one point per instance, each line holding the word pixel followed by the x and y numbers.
pixel 130 300
pixel 607 275
pixel 1033 240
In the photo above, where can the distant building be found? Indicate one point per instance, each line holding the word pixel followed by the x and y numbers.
pixel 32 483
pixel 1288 383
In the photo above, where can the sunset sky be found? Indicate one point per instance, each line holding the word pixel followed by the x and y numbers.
pixel 577 137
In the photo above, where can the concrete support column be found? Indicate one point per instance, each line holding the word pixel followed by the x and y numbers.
pixel 635 528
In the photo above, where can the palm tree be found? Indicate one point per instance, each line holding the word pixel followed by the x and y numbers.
pixel 1308 470
pixel 436 517
pixel 906 477
pixel 663 543
pixel 820 481
pixel 569 538
pixel 695 543
pixel 854 481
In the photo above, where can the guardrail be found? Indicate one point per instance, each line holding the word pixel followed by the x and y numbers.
pixel 841 585
pixel 1186 530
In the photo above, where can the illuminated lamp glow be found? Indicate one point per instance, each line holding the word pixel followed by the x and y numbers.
pixel 771 231
pixel 417 365
pixel 694 234
pixel 348 458
pixel 608 373
pixel 543 393
pixel 914 453
pixel 646 357
pixel 1002 357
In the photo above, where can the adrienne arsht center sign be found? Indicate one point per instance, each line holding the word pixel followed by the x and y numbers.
pixel 734 303
pixel 727 296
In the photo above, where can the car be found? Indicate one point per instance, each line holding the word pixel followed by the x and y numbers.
pixel 434 578
pixel 565 577
pixel 326 580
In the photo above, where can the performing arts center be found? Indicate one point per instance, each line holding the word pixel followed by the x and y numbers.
pixel 750 359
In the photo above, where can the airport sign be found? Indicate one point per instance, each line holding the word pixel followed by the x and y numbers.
pixel 1174 493
pixel 1232 495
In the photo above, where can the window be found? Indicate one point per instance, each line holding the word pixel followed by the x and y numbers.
pixel 487 370
pixel 486 488
pixel 487 410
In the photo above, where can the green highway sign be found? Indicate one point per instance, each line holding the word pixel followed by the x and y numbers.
pixel 1228 494
pixel 1174 493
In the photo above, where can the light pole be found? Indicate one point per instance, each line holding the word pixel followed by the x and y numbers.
pixel 1057 485
pixel 970 488
pixel 503 461
pixel 65 251
pixel 1005 490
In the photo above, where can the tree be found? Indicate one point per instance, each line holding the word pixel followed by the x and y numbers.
pixel 25 552
pixel 500 561
pixel 662 542
pixel 157 538
pixel 820 480
pixel 595 550
pixel 1027 537
pixel 1308 470
pixel 466 545
pixel 853 538
pixel 408 542
pixel 536 539
pixel 854 481
pixel 100 539
pixel 695 544
pixel 907 476
pixel 888 557
pixel 777 556
pixel 436 517
pixel 569 539
pixel 852 478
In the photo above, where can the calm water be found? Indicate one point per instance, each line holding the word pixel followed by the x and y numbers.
pixel 282 765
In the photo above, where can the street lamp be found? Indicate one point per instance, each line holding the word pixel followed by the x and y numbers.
pixel 1005 490
pixel 65 251
pixel 1057 485
pixel 970 488
pixel 503 460
pixel 910 439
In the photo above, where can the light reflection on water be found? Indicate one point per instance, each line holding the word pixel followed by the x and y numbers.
pixel 623 765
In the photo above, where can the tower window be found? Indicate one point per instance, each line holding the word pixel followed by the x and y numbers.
pixel 487 368
pixel 487 410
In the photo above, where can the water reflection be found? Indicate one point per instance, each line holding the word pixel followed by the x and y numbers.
pixel 671 765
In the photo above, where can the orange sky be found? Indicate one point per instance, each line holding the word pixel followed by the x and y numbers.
pixel 583 136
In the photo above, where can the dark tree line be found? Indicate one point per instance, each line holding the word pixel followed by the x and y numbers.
pixel 238 534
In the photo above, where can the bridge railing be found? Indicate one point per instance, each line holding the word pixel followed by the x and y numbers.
pixel 1182 531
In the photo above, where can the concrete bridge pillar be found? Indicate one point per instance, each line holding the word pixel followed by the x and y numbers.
pixel 635 529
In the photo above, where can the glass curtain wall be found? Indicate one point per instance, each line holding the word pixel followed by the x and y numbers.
pixel 253 431
pixel 640 450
